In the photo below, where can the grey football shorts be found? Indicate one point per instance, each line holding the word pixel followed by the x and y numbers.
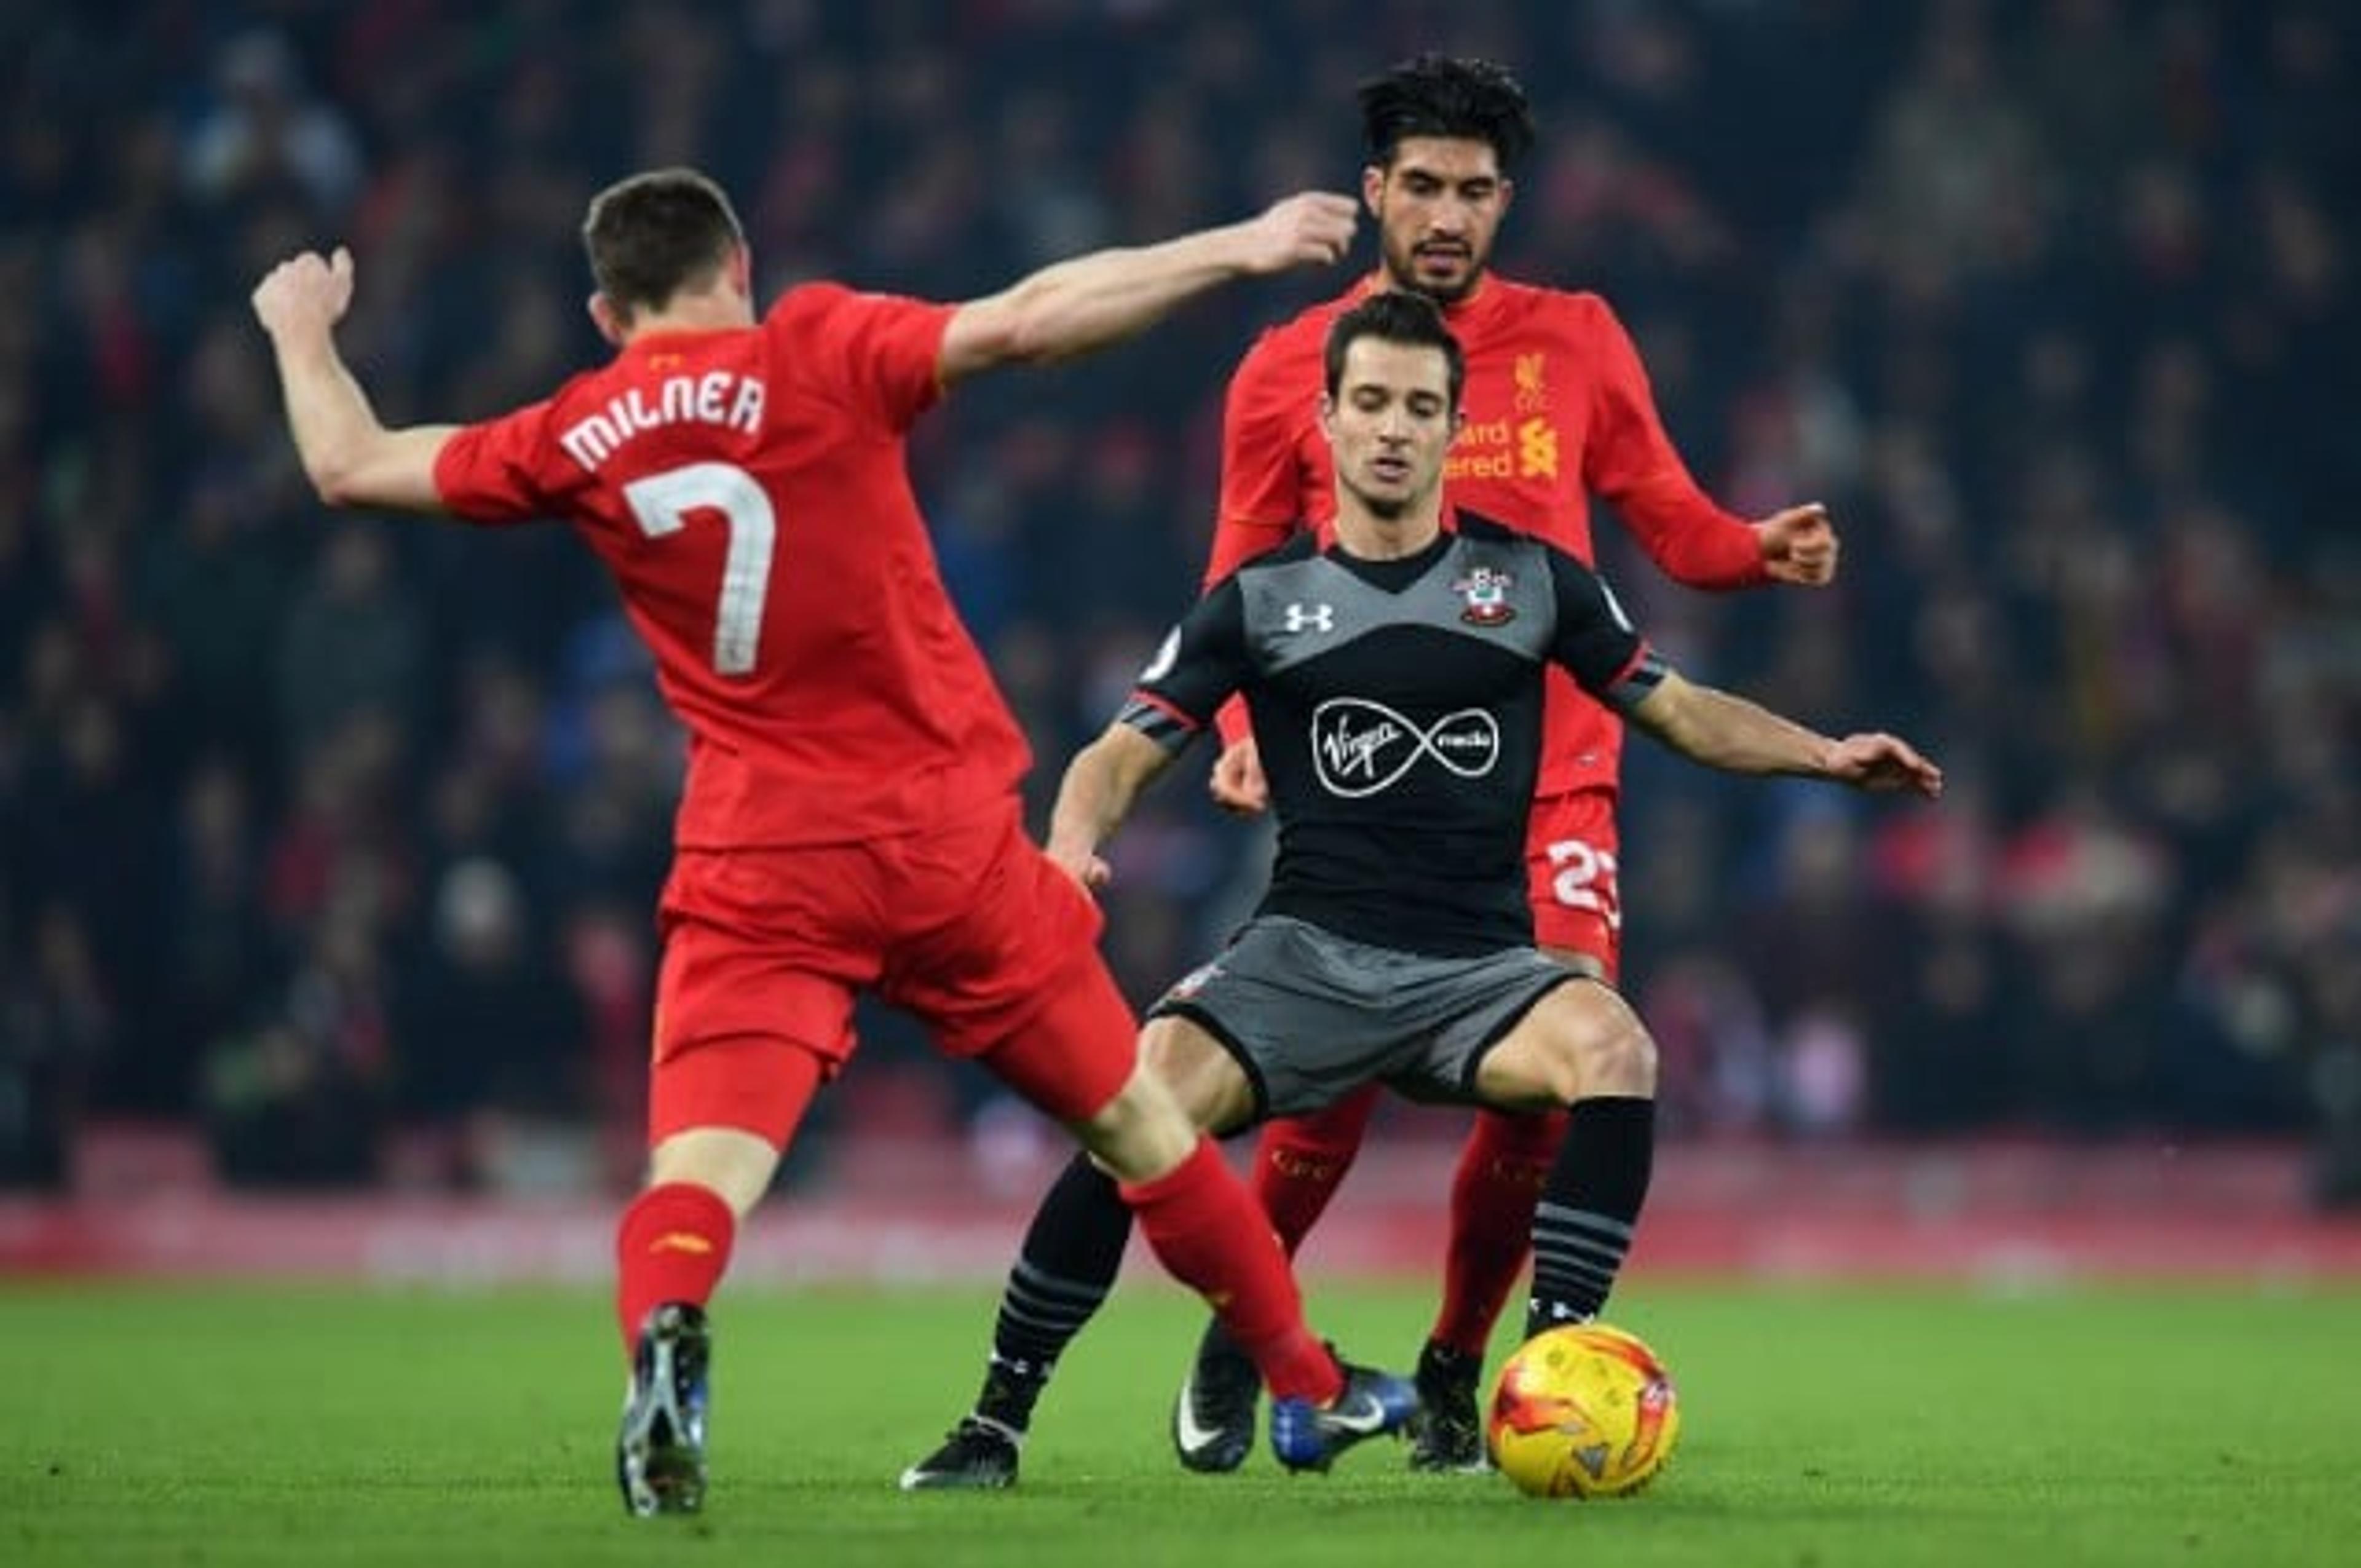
pixel 1311 1015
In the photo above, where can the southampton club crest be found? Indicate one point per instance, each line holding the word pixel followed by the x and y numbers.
pixel 1486 589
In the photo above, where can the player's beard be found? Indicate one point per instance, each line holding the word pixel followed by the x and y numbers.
pixel 1402 267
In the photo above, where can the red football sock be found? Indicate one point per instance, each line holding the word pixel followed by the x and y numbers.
pixel 1300 1161
pixel 672 1246
pixel 1207 1232
pixel 1501 1169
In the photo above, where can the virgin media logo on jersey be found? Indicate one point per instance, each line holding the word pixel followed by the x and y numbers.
pixel 1359 747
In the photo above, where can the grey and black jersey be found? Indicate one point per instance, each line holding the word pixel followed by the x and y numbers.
pixel 1397 708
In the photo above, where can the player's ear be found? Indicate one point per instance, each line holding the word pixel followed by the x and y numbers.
pixel 740 270
pixel 606 318
pixel 1328 416
pixel 1373 186
pixel 1508 192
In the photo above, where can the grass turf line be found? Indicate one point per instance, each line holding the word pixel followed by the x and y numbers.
pixel 1820 1429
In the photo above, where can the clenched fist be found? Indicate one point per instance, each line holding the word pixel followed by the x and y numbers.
pixel 1800 546
pixel 305 293
pixel 1310 228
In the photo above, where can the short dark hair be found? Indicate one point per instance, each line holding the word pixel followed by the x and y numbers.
pixel 1394 315
pixel 655 233
pixel 1439 95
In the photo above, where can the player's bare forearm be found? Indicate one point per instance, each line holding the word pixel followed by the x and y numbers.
pixel 351 459
pixel 1728 732
pixel 350 456
pixel 1098 790
pixel 1740 737
pixel 1073 307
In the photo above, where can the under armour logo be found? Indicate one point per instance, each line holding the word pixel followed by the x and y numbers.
pixel 1359 747
pixel 1314 618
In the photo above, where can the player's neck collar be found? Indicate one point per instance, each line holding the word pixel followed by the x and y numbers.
pixel 1446 525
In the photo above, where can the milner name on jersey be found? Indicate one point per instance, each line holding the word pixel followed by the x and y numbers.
pixel 718 397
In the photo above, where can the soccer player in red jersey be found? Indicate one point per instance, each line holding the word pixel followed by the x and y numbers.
pixel 1558 409
pixel 850 818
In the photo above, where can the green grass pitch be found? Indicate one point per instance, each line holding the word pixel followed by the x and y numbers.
pixel 1823 1428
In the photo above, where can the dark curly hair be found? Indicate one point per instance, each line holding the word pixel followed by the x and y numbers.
pixel 1439 95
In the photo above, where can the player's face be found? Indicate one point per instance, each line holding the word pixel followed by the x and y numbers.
pixel 1438 206
pixel 1391 423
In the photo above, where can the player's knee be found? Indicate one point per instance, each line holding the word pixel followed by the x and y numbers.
pixel 1616 1055
pixel 1142 1133
pixel 734 1165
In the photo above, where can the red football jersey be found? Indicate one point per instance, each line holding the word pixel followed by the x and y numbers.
pixel 1558 409
pixel 747 489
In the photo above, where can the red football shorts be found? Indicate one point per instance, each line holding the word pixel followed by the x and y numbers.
pixel 1570 867
pixel 966 925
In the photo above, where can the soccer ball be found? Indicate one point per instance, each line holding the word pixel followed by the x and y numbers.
pixel 1582 1411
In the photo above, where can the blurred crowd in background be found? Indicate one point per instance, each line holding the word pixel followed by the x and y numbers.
pixel 340 836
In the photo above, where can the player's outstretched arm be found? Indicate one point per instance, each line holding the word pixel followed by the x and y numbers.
pixel 1101 784
pixel 351 457
pixel 1630 459
pixel 1737 735
pixel 1073 307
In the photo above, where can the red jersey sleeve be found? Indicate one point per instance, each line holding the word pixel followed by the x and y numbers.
pixel 1261 500
pixel 1630 461
pixel 882 352
pixel 498 470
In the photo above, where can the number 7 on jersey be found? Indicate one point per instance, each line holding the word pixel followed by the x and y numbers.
pixel 662 502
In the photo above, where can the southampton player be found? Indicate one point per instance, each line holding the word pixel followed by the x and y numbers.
pixel 1395 678
pixel 850 818
pixel 1558 409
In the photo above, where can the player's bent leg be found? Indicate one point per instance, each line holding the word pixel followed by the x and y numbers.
pixel 1507 1157
pixel 1070 1051
pixel 674 1243
pixel 1213 1414
pixel 1582 1046
pixel 1207 1233
pixel 1502 1167
pixel 1065 1267
pixel 1299 1163
pixel 1502 1164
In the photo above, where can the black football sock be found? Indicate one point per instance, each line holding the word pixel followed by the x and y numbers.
pixel 1072 1251
pixel 1582 1224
